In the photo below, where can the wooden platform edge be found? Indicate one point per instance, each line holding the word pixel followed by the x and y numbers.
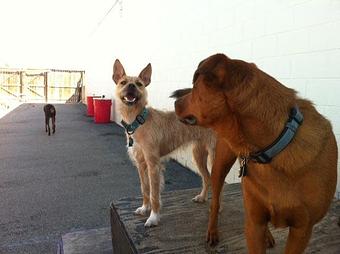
pixel 121 241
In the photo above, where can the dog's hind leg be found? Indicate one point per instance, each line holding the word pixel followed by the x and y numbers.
pixel 155 173
pixel 53 124
pixel 200 155
pixel 46 122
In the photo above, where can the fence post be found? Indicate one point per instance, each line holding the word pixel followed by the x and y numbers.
pixel 82 94
pixel 21 85
pixel 46 86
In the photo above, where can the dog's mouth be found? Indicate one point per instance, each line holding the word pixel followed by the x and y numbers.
pixel 130 98
pixel 190 120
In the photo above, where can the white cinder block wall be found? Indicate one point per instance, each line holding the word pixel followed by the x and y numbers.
pixel 296 41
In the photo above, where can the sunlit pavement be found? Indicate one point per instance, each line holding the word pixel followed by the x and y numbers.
pixel 53 185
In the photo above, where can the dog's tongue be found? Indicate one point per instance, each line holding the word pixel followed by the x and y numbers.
pixel 130 98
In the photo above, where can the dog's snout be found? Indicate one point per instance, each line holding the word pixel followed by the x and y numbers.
pixel 131 86
pixel 176 103
pixel 179 102
pixel 178 107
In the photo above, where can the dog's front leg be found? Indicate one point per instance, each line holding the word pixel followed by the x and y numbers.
pixel 255 235
pixel 48 126
pixel 155 180
pixel 298 239
pixel 224 159
pixel 145 188
pixel 138 157
pixel 257 232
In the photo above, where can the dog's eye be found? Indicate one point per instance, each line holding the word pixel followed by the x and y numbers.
pixel 139 84
pixel 123 82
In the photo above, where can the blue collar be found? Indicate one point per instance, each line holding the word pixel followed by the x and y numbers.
pixel 140 120
pixel 267 154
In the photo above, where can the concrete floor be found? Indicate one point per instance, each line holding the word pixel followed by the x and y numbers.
pixel 53 185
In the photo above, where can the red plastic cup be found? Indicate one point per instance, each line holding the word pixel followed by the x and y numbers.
pixel 102 110
pixel 90 106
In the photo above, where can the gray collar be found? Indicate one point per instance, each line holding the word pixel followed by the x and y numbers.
pixel 267 154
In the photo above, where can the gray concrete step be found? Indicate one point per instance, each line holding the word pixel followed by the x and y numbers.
pixel 93 241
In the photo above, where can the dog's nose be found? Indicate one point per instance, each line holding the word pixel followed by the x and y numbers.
pixel 131 85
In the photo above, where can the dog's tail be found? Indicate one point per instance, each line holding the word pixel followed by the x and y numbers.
pixel 180 93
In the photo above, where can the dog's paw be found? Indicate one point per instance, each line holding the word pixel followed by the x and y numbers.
pixel 153 220
pixel 199 199
pixel 143 210
pixel 212 237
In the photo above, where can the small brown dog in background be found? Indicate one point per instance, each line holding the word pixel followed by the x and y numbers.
pixel 50 112
pixel 152 135
pixel 249 110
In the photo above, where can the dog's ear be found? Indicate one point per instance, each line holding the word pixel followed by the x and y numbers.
pixel 118 71
pixel 240 74
pixel 180 93
pixel 145 75
pixel 225 73
pixel 211 68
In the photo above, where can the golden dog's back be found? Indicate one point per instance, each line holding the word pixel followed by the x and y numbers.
pixel 164 128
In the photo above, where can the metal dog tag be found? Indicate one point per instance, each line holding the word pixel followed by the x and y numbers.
pixel 130 142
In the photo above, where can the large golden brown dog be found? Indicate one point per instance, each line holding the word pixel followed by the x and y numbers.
pixel 249 110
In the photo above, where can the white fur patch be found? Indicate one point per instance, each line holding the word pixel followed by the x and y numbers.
pixel 143 210
pixel 199 199
pixel 153 220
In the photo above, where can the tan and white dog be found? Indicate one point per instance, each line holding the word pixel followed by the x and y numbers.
pixel 152 135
